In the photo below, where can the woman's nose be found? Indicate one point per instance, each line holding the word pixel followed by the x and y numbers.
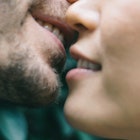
pixel 82 16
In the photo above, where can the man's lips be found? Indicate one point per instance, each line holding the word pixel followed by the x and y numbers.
pixel 67 32
pixel 63 29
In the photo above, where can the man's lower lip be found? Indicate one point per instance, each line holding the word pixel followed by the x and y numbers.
pixel 78 74
pixel 59 43
pixel 56 39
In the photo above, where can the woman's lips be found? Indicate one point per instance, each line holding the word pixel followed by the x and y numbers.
pixel 85 67
pixel 78 74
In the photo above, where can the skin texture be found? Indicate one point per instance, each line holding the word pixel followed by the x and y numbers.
pixel 105 102
pixel 31 58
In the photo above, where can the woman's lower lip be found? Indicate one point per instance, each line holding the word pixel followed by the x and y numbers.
pixel 78 74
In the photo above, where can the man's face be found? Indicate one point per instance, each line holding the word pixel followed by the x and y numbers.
pixel 31 49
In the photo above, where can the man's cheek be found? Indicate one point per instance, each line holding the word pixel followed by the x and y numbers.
pixel 5 53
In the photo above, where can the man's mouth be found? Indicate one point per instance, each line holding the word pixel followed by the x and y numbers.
pixel 52 28
pixel 56 26
pixel 62 33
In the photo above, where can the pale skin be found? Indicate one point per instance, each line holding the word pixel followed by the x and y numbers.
pixel 31 56
pixel 104 89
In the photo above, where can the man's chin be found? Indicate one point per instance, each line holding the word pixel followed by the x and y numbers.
pixel 29 95
pixel 36 88
pixel 33 103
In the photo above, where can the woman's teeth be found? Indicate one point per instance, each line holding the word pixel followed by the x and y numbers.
pixel 88 65
pixel 52 29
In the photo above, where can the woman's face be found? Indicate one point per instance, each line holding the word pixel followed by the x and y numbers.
pixel 104 89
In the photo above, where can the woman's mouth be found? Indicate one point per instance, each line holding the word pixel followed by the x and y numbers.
pixel 88 65
pixel 84 69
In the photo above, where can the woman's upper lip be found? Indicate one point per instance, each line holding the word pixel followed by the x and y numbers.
pixel 77 55
pixel 59 23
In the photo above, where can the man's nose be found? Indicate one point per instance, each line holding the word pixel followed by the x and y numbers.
pixel 82 16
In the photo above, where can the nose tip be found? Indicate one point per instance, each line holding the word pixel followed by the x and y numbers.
pixel 81 17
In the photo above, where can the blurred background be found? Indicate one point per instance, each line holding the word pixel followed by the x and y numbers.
pixel 46 123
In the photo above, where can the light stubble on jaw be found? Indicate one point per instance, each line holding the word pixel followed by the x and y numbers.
pixel 23 80
pixel 33 89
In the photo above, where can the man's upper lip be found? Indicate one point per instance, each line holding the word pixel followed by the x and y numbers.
pixel 59 23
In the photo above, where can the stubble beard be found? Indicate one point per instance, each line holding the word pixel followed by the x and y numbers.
pixel 28 81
